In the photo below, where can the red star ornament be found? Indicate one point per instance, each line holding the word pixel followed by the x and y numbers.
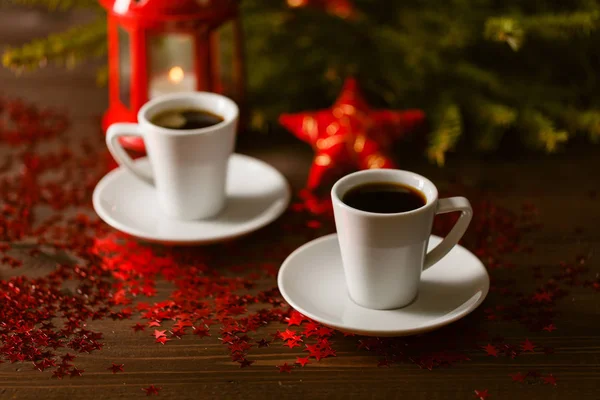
pixel 350 133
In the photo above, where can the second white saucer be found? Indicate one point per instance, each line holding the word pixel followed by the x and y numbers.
pixel 256 195
pixel 312 281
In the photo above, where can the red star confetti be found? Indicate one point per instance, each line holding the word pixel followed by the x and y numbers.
pixel 314 351
pixel 116 368
pixel 350 133
pixel 138 327
pixel 202 332
pixel 152 390
pixel 76 372
pixel 285 368
pixel 383 363
pixel 292 343
pixel 162 340
pixel 276 335
pixel 290 335
pixel 482 394
pixel 527 346
pixel 549 328
pixel 310 329
pixel 239 347
pixel 263 343
pixel 542 297
pixel 159 334
pixel 518 377
pixel 178 333
pixel 491 350
pixel 324 332
pixel 244 363
pixel 295 318
pixel 302 361
pixel 549 380
pixel 58 373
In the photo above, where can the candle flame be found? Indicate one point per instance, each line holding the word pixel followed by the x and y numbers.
pixel 176 74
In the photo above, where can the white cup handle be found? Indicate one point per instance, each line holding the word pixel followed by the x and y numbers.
pixel 458 230
pixel 114 132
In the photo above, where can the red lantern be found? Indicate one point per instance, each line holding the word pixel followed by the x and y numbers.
pixel 165 46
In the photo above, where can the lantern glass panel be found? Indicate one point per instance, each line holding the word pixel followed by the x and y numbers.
pixel 171 64
pixel 124 66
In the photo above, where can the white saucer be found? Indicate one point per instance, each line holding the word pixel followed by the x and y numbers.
pixel 312 281
pixel 256 195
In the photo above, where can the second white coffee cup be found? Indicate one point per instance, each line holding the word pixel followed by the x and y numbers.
pixel 189 167
pixel 384 254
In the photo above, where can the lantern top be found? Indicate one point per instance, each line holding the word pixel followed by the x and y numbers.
pixel 168 9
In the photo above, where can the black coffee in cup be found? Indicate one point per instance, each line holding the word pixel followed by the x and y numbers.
pixel 384 198
pixel 186 118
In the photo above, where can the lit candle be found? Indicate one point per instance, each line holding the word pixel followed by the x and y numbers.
pixel 176 80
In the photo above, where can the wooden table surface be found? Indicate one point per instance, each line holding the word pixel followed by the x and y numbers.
pixel 558 185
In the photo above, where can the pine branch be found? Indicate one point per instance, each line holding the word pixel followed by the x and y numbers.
pixel 562 26
pixel 447 131
pixel 589 122
pixel 513 30
pixel 540 132
pixel 480 78
pixel 68 48
pixel 491 121
pixel 574 120
pixel 58 5
pixel 505 29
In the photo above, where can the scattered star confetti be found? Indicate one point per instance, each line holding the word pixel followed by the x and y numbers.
pixel 295 318
pixel 162 340
pixel 482 394
pixel 263 343
pixel 245 363
pixel 114 272
pixel 289 335
pixel 549 380
pixel 383 363
pixel 285 368
pixel 527 346
pixel 292 343
pixel 152 390
pixel 518 377
pixel 302 361
pixel 116 368
pixel 491 350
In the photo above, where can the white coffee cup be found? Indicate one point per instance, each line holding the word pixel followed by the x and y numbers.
pixel 189 167
pixel 384 254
